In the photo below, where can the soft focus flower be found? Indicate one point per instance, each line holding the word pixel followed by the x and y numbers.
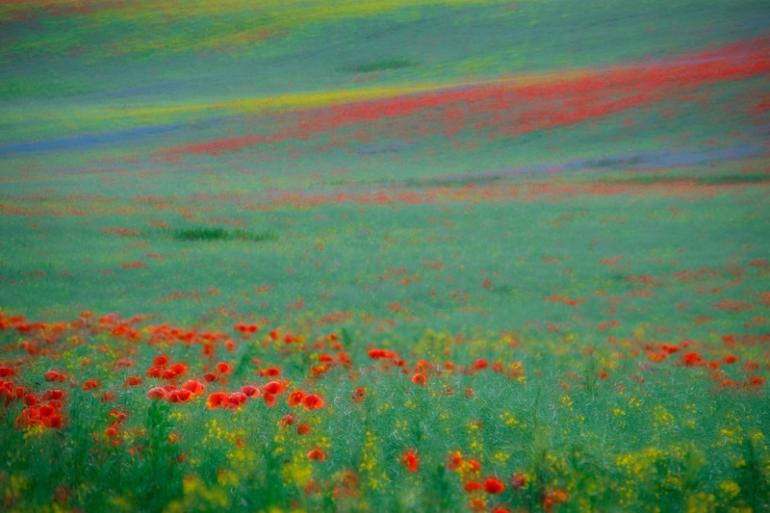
pixel 493 485
pixel 316 454
pixel 411 461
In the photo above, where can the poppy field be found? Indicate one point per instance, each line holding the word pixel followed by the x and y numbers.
pixel 384 256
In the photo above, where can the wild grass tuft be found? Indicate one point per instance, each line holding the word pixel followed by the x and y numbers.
pixel 221 234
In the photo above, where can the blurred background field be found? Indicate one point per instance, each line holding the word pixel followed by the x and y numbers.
pixel 554 183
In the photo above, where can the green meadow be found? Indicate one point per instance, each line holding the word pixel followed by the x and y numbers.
pixel 384 256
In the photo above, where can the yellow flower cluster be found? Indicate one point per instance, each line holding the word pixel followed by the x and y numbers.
pixel 197 496
pixel 369 458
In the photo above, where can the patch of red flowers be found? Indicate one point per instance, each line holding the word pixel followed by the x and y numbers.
pixel 493 485
pixel 411 461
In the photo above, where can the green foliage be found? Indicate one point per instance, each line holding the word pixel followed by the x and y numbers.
pixel 380 65
pixel 206 234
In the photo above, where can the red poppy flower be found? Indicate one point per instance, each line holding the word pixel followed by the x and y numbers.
pixel 358 394
pixel 179 368
pixel 54 421
pixel 273 388
pixel 730 358
pixel 493 485
pixel 481 363
pixel 54 393
pixel 303 429
pixel 270 372
pixel 90 384
pixel 223 368
pixel 316 454
pixel 313 402
pixel 472 486
pixel 156 393
pixel 295 398
pixel 236 399
pixel 133 381
pixel 376 354
pixel 53 375
pixel 216 400
pixel 419 378
pixel 411 461
pixel 172 396
pixel 195 387
pixel 160 361
pixel 692 358
pixel 287 420
pixel 250 391
pixel 669 348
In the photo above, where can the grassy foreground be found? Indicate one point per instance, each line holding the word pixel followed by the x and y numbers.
pixel 122 415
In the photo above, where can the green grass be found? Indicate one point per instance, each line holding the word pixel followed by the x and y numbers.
pixel 380 65
pixel 145 178
pixel 220 234
pixel 713 179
